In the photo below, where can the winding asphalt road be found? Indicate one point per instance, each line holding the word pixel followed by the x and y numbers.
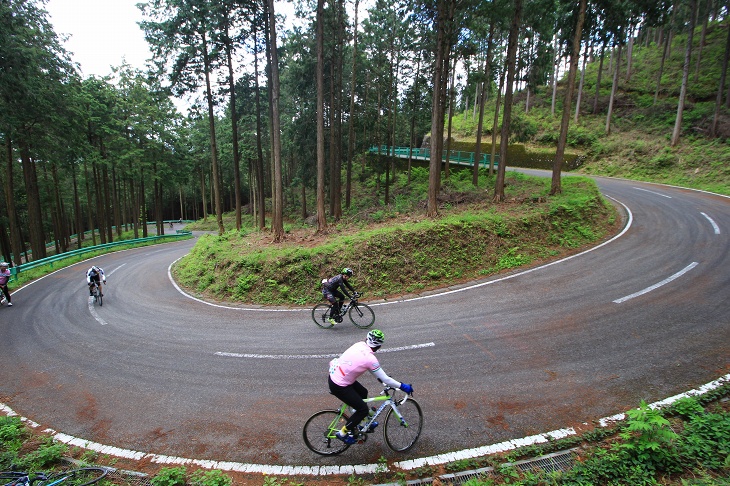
pixel 644 316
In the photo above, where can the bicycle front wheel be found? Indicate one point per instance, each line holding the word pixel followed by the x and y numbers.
pixel 319 432
pixel 321 314
pixel 101 299
pixel 361 315
pixel 79 477
pixel 401 435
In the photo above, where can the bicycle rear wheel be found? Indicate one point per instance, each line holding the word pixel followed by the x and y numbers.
pixel 79 477
pixel 321 314
pixel 319 432
pixel 361 315
pixel 401 436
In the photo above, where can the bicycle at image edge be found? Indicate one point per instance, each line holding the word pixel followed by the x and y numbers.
pixel 74 477
pixel 98 297
pixel 361 315
pixel 402 427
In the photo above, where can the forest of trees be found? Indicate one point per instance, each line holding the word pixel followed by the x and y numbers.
pixel 280 115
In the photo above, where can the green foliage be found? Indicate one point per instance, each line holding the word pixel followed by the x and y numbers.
pixel 170 476
pixel 649 439
pixel 47 454
pixel 210 478
pixel 706 441
pixel 481 238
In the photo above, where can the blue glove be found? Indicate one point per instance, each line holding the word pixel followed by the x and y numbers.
pixel 406 388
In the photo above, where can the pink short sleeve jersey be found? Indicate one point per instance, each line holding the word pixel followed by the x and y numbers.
pixel 355 361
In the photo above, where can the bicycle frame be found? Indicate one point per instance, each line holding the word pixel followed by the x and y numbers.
pixel 388 401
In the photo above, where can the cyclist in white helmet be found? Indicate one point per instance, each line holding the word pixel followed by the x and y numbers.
pixel 344 372
pixel 95 274
pixel 4 278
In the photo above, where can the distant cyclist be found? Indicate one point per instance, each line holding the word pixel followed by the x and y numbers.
pixel 4 278
pixel 95 275
pixel 331 291
pixel 344 372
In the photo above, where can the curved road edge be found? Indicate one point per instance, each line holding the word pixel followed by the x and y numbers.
pixel 356 468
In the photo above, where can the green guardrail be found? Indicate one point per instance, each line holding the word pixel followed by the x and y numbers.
pixel 456 157
pixel 14 271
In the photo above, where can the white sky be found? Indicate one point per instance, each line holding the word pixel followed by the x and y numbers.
pixel 102 33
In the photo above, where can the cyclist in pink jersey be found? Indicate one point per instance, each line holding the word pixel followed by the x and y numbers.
pixel 344 372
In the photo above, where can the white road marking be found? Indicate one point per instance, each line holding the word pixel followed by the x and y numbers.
pixel 398 301
pixel 653 192
pixel 657 285
pixel 712 222
pixel 316 356
pixel 349 469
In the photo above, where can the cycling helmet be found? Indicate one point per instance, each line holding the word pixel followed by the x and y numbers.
pixel 347 271
pixel 4 265
pixel 375 338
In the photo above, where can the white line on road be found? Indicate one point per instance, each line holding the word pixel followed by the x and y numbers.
pixel 629 222
pixel 653 192
pixel 712 222
pixel 657 285
pixel 316 356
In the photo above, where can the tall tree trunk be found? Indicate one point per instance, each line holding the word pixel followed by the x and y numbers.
pixel 321 217
pixel 580 85
pixel 480 123
pixel 554 74
pixel 665 50
pixel 444 19
pixel 260 194
pixel 685 76
pixel 117 204
pixel 506 117
pixel 705 12
pixel 77 208
pixel 35 216
pixel 133 198
pixel 351 121
pixel 629 53
pixel 598 78
pixel 447 163
pixel 277 224
pixel 202 194
pixel 493 151
pixel 721 88
pixel 16 242
pixel 234 129
pixel 142 203
pixel 411 140
pixel 574 56
pixel 614 87
pixel 213 142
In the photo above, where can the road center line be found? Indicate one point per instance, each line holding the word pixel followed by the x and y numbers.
pixel 653 192
pixel 712 222
pixel 316 356
pixel 657 285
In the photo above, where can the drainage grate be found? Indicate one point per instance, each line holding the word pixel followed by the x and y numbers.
pixel 557 461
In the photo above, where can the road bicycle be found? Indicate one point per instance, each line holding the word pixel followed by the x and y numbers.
pixel 361 315
pixel 73 477
pixel 402 427
pixel 98 297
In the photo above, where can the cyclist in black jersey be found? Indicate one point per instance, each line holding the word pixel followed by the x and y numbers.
pixel 333 288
